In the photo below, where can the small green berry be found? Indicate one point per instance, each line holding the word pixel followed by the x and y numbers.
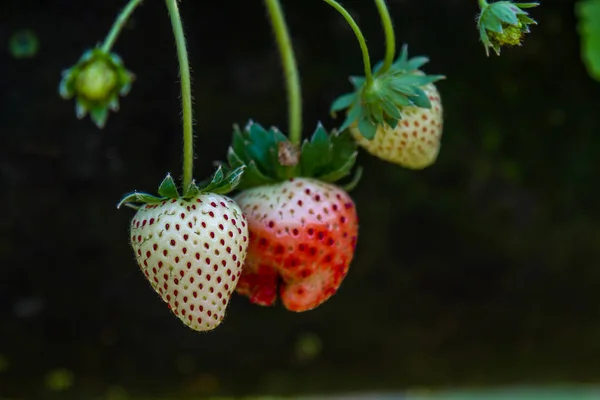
pixel 511 35
pixel 24 44
pixel 96 81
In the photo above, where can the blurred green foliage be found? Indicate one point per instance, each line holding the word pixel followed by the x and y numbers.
pixel 23 44
pixel 588 12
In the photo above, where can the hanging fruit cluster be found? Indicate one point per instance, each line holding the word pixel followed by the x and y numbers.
pixel 290 230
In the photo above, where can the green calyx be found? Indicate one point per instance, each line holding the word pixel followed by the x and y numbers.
pixel 503 23
pixel 270 157
pixel 382 102
pixel 221 182
pixel 96 82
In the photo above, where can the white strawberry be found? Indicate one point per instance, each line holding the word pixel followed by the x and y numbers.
pixel 191 249
pixel 397 115
pixel 415 142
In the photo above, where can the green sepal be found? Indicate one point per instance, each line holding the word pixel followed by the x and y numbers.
pixel 316 152
pixel 342 103
pixel 222 182
pixel 257 149
pixel 191 191
pixel 354 113
pixel 350 186
pixel 252 173
pixel 588 27
pixel 503 23
pixel 168 188
pixel 135 199
pixel 368 127
pixel 382 103
pixel 215 180
pixel 325 156
pixel 230 181
pixel 343 152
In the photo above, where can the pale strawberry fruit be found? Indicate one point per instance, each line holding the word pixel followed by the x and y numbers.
pixel 303 235
pixel 192 252
pixel 415 142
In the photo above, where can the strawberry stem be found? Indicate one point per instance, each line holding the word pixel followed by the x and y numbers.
pixel 359 36
pixel 390 37
pixel 290 67
pixel 119 24
pixel 186 94
pixel 483 4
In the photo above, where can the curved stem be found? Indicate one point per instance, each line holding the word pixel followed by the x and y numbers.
pixel 483 4
pixel 359 36
pixel 119 24
pixel 390 37
pixel 186 94
pixel 290 67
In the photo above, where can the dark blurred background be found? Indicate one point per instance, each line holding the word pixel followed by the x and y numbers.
pixel 480 270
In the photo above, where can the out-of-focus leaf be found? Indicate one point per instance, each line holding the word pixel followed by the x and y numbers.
pixel 588 13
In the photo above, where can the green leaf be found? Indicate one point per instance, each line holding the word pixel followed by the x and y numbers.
pixel 344 151
pixel 503 12
pixel 215 181
pixel 233 159
pixel 525 20
pixel 343 102
pixel 392 122
pixel 259 147
pixel 342 171
pixel 416 63
pixel 491 23
pixel 350 186
pixel 421 99
pixel 253 177
pixel 238 144
pixel 231 181
pixel 367 128
pixel 588 14
pixel 357 81
pixel 526 5
pixel 375 111
pixel 316 153
pixel 99 115
pixel 353 115
pixel 168 188
pixel 391 110
pixel 139 198
pixel 400 100
pixel 191 191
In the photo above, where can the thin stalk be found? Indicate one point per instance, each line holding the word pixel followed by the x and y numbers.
pixel 359 36
pixel 290 67
pixel 390 37
pixel 483 4
pixel 119 24
pixel 186 94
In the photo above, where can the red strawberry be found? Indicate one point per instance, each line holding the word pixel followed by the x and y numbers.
pixel 192 252
pixel 303 234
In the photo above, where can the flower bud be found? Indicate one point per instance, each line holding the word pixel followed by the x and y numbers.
pixel 96 82
pixel 503 23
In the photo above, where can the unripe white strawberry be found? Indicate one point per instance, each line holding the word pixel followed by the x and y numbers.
pixel 191 248
pixel 192 252
pixel 415 142
pixel 396 115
